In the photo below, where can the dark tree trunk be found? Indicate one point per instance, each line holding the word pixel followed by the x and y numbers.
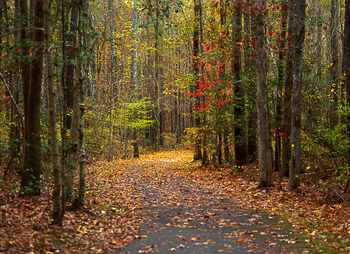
pixel 240 137
pixel 250 28
pixel 30 181
pixel 279 91
pixel 335 62
pixel 197 120
pixel 265 167
pixel 287 98
pixel 71 54
pixel 25 68
pixel 346 64
pixel 294 173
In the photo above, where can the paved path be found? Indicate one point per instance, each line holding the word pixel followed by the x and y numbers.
pixel 184 216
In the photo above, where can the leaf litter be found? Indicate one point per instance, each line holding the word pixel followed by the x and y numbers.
pixel 116 196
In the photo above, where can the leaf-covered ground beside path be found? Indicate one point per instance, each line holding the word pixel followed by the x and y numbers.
pixel 111 218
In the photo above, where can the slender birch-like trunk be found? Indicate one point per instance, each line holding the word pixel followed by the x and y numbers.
pixel 52 117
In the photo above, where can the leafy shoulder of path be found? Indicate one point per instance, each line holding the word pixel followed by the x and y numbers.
pixel 111 217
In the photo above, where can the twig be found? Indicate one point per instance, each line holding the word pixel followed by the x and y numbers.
pixel 340 196
pixel 314 173
pixel 12 98
pixel 17 30
pixel 333 195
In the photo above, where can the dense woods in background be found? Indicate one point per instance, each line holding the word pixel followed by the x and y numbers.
pixel 242 82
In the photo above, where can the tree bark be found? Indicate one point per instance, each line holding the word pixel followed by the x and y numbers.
pixel 239 100
pixel 80 82
pixel 346 65
pixel 56 195
pixel 197 119
pixel 30 181
pixel 294 174
pixel 250 28
pixel 335 63
pixel 72 105
pixel 280 71
pixel 71 54
pixel 134 76
pixel 287 98
pixel 265 167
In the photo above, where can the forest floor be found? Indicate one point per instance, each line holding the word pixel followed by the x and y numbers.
pixel 165 203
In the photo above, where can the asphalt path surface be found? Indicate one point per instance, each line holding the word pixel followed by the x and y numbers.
pixel 183 216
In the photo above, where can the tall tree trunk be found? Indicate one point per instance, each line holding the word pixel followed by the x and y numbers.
pixel 294 174
pixel 30 181
pixel 346 65
pixel 72 105
pixel 280 69
pixel 25 69
pixel 112 74
pixel 156 77
pixel 71 54
pixel 250 28
pixel 80 82
pixel 56 209
pixel 134 76
pixel 205 157
pixel 265 167
pixel 239 100
pixel 62 179
pixel 197 119
pixel 287 95
pixel 335 61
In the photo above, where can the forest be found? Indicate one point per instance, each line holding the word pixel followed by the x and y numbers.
pixel 241 100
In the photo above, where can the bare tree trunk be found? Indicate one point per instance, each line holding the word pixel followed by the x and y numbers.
pixel 56 208
pixel 346 65
pixel 239 104
pixel 134 76
pixel 287 98
pixel 197 119
pixel 250 28
pixel 294 174
pixel 63 106
pixel 265 167
pixel 80 81
pixel 335 62
pixel 30 181
pixel 279 112
pixel 71 54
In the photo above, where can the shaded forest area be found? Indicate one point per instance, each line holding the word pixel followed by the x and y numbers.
pixel 239 83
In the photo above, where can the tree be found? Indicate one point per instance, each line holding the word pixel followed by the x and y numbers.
pixel 335 63
pixel 134 76
pixel 346 66
pixel 287 95
pixel 294 173
pixel 197 154
pixel 249 73
pixel 280 67
pixel 81 76
pixel 30 181
pixel 265 167
pixel 52 117
pixel 239 100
